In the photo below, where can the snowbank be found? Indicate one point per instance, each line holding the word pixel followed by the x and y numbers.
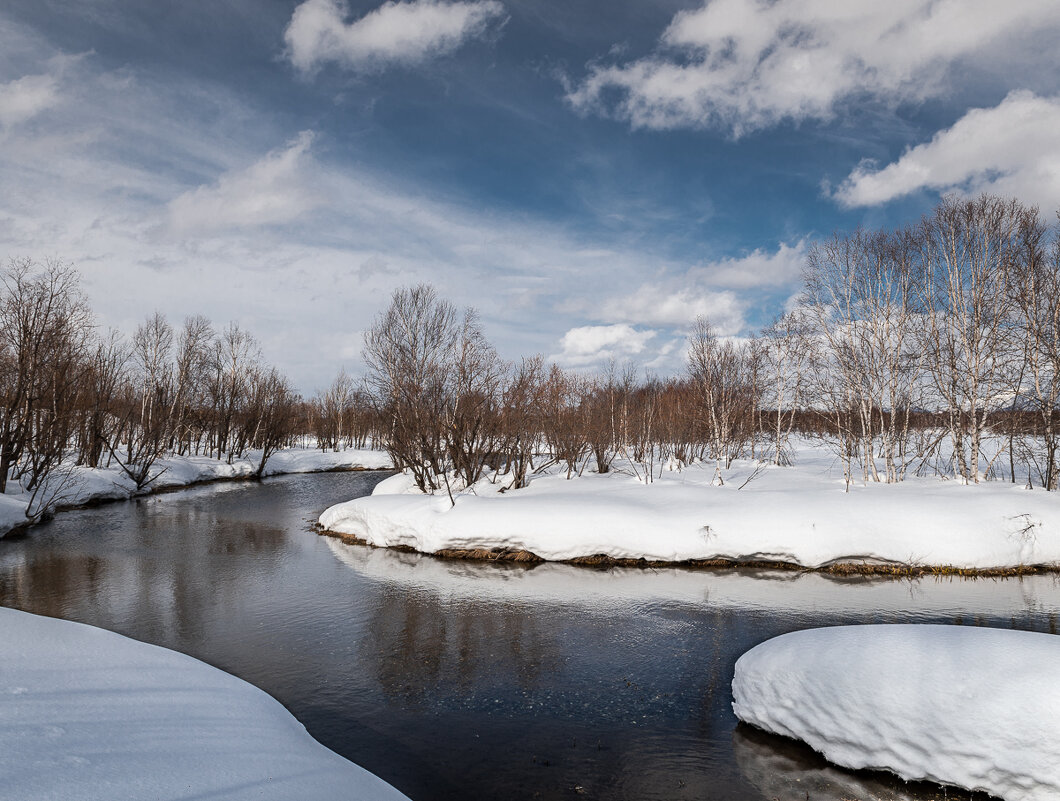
pixel 799 515
pixel 972 707
pixel 90 714
pixel 88 485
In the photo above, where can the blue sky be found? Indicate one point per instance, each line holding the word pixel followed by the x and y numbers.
pixel 589 175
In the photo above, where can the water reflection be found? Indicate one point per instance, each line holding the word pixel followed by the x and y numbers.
pixel 1026 601
pixel 786 770
pixel 423 649
pixel 457 680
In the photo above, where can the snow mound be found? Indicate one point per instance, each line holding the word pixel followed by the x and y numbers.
pixel 90 714
pixel 800 516
pixel 972 707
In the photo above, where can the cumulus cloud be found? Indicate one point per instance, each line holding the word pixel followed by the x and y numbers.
pixel 1011 149
pixel 25 97
pixel 595 344
pixel 273 190
pixel 396 33
pixel 742 65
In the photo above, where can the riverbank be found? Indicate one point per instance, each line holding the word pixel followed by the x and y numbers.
pixel 801 517
pixel 85 485
pixel 983 712
pixel 92 714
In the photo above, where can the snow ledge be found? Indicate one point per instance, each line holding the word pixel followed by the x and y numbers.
pixel 790 517
pixel 976 708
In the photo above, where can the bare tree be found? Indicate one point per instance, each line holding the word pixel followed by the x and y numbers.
pixel 270 414
pixel 1035 291
pixel 408 351
pixel 863 294
pixel 722 376
pixel 788 355
pixel 44 326
pixel 970 246
pixel 521 418
pixel 235 357
pixel 565 431
pixel 191 371
pixel 105 377
pixel 474 394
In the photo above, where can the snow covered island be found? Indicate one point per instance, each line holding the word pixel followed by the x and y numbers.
pixel 977 708
pixel 81 485
pixel 800 516
pixel 90 714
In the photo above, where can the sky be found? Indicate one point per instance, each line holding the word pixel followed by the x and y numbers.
pixel 589 176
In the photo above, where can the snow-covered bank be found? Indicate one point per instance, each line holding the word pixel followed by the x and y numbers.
pixel 800 515
pixel 972 707
pixel 87 485
pixel 89 714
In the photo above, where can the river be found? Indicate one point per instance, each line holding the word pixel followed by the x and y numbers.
pixel 459 680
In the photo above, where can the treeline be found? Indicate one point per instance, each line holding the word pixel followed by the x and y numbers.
pixel 70 395
pixel 933 347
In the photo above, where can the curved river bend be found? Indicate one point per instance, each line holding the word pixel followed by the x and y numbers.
pixel 459 680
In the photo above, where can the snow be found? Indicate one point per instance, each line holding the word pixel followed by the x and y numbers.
pixel 799 515
pixel 90 714
pixel 88 485
pixel 973 707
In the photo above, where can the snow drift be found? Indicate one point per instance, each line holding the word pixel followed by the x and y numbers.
pixel 801 516
pixel 90 714
pixel 972 707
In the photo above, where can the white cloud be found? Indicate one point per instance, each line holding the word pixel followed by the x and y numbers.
pixel 759 268
pixel 1011 149
pixel 25 97
pixel 596 344
pixel 716 290
pixel 651 304
pixel 271 191
pixel 396 33
pixel 747 64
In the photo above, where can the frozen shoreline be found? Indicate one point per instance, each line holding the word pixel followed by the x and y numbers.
pixel 981 712
pixel 795 516
pixel 90 485
pixel 92 714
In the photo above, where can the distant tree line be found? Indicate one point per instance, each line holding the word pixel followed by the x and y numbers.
pixel 909 350
pixel 71 395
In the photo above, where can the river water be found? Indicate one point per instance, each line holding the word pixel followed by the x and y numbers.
pixel 458 680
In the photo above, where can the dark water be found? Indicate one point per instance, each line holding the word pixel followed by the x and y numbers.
pixel 454 680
